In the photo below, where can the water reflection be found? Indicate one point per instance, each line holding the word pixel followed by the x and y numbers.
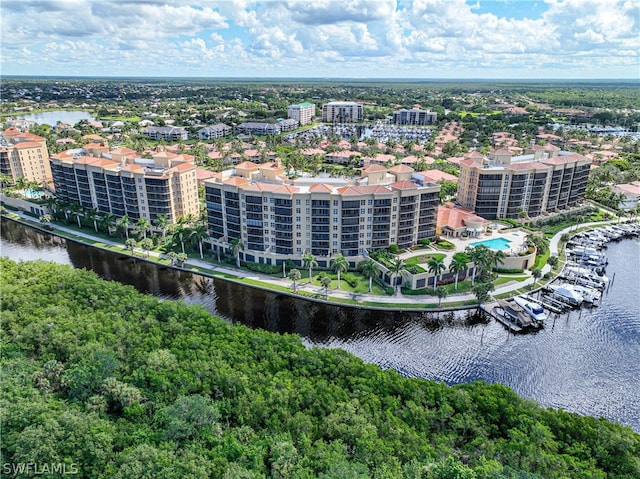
pixel 584 362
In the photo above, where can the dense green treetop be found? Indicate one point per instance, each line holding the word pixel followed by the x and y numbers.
pixel 125 386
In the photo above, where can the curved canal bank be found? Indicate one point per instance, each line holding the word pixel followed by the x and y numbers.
pixel 397 302
pixel 583 362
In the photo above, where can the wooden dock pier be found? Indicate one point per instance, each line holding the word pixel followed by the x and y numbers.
pixel 495 311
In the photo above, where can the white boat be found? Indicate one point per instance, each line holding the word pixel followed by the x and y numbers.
pixel 588 294
pixel 566 293
pixel 533 309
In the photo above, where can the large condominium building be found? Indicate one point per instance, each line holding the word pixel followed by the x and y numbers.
pixel 414 117
pixel 24 155
pixel 503 186
pixel 342 112
pixel 276 219
pixel 121 183
pixel 303 112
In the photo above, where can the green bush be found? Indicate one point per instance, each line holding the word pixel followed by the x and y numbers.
pixel 262 268
pixel 425 241
pixel 350 279
pixel 446 245
pixel 508 271
pixel 393 248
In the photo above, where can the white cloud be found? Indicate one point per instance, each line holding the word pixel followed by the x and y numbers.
pixel 419 38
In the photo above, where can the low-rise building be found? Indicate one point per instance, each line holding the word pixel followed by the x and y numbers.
pixel 215 131
pixel 278 220
pixel 630 192
pixel 166 133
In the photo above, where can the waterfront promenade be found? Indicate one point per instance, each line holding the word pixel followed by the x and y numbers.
pixel 211 268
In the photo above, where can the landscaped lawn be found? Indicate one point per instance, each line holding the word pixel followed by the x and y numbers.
pixel 423 258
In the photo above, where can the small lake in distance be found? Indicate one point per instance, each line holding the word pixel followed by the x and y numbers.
pixel 53 117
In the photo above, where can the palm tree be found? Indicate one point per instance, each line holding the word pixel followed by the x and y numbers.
pixel 309 261
pixel 457 266
pixel 124 224
pixel 536 273
pixel 294 275
pixel 396 268
pixel 236 247
pixel 92 216
pixel 198 234
pixel 51 203
pixel 369 268
pixel 436 266
pixel 325 281
pixel 339 265
pixel 76 209
pixel 143 226
pixel 477 255
pixel 442 293
pixel 106 222
pixel 180 234
pixel 162 223
pixel 497 258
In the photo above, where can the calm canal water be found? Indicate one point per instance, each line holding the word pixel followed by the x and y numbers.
pixel 587 362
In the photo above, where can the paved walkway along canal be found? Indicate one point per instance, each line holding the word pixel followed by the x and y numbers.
pixel 197 266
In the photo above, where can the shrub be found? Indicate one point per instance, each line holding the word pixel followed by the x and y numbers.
pixel 393 248
pixel 350 279
pixel 389 290
pixel 425 241
pixel 262 268
pixel 548 276
pixel 508 271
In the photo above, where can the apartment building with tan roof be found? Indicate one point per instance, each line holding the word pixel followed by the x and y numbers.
pixel 24 155
pixel 121 183
pixel 277 219
pixel 502 185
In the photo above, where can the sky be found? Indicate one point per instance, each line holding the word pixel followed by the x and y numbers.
pixel 418 39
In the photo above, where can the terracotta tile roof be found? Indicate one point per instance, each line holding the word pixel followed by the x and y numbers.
pixel 247 165
pixel 236 180
pixel 403 185
pixel 373 168
pixel 320 188
pixel 437 175
pixel 27 144
pixel 402 169
pixel 202 174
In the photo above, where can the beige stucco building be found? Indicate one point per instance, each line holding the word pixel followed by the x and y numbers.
pixel 121 183
pixel 24 155
pixel 277 219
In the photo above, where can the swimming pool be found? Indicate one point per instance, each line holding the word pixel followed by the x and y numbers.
pixel 494 243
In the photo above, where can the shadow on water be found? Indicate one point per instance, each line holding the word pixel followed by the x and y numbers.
pixel 579 362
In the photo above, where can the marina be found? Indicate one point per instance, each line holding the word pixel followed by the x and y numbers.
pixel 578 362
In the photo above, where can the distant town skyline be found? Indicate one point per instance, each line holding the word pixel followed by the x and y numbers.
pixel 421 39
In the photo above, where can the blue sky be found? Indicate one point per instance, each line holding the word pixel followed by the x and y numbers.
pixel 545 39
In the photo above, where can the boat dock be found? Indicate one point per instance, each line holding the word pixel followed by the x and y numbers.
pixel 495 311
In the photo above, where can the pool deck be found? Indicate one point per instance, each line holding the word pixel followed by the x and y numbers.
pixel 516 236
